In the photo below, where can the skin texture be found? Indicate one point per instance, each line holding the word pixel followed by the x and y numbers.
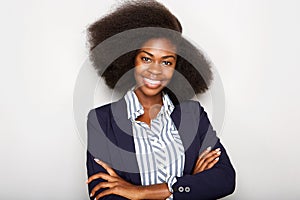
pixel 154 63
pixel 156 60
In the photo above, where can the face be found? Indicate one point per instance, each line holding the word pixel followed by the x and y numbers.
pixel 154 66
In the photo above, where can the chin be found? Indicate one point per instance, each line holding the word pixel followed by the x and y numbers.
pixel 150 91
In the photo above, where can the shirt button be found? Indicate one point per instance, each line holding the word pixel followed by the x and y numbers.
pixel 187 189
pixel 180 189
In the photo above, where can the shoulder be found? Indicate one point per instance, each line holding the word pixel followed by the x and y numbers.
pixel 104 109
pixel 190 106
pixel 99 114
pixel 115 109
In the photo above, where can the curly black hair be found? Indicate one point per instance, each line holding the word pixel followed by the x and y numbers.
pixel 194 70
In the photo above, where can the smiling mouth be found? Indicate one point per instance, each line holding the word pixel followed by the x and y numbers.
pixel 151 83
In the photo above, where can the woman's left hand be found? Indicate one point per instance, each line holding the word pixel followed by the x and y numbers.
pixel 114 184
pixel 207 160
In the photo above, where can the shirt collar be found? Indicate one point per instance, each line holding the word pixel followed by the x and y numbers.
pixel 135 109
pixel 168 106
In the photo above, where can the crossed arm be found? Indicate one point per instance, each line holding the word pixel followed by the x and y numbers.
pixel 113 184
pixel 212 175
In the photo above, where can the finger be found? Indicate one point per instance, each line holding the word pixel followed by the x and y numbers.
pixel 203 155
pixel 199 164
pixel 211 164
pixel 109 170
pixel 102 185
pixel 204 158
pixel 212 154
pixel 197 170
pixel 105 193
pixel 206 151
pixel 210 159
pixel 102 175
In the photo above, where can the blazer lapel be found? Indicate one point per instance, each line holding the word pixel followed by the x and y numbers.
pixel 122 129
pixel 187 126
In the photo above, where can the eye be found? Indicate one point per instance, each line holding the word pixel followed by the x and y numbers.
pixel 146 59
pixel 167 63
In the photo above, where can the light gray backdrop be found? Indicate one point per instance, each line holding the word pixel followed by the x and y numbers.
pixel 254 46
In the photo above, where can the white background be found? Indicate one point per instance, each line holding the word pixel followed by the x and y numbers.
pixel 254 45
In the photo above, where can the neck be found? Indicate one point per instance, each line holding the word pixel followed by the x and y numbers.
pixel 148 101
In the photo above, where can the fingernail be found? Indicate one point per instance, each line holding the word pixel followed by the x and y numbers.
pixel 218 149
pixel 217 158
pixel 91 195
pixel 95 199
pixel 208 148
pixel 96 159
pixel 219 152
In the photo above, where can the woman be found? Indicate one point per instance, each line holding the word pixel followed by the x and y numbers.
pixel 149 141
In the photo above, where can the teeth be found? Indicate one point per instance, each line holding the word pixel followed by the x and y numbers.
pixel 153 82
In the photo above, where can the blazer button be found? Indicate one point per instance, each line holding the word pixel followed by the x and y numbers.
pixel 187 189
pixel 180 189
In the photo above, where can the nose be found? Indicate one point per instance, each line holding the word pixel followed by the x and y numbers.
pixel 155 68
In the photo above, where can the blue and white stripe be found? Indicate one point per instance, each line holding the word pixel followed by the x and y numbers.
pixel 159 149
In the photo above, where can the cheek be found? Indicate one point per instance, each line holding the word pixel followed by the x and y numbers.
pixel 139 69
pixel 136 72
pixel 169 74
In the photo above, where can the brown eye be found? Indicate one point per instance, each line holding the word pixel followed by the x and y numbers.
pixel 146 59
pixel 166 63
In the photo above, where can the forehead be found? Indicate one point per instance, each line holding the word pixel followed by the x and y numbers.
pixel 159 44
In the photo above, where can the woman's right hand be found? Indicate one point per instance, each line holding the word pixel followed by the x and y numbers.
pixel 207 160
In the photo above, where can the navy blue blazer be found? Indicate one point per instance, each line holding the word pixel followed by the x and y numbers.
pixel 110 139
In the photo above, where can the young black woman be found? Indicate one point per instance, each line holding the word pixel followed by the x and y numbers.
pixel 167 166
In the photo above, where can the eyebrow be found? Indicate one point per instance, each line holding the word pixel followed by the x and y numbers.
pixel 164 57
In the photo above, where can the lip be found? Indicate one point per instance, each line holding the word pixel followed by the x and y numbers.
pixel 151 83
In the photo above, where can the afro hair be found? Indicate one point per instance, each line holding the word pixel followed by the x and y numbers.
pixel 194 71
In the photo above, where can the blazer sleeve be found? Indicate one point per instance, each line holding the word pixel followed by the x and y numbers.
pixel 217 182
pixel 94 131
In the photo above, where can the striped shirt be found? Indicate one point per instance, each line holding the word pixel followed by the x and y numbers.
pixel 159 149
